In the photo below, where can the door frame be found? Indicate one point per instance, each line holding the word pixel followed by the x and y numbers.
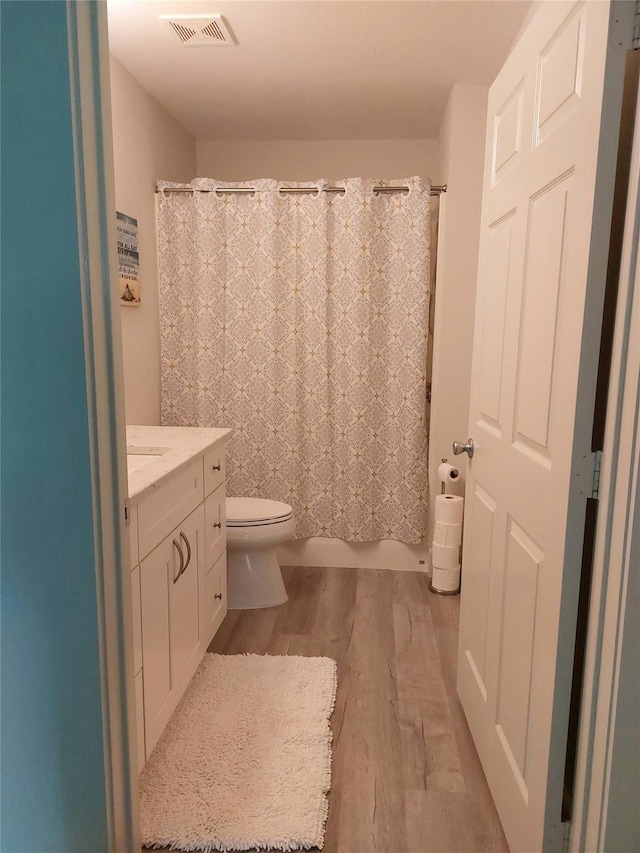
pixel 95 195
pixel 88 50
pixel 617 529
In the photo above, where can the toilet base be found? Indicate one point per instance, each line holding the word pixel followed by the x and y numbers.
pixel 254 580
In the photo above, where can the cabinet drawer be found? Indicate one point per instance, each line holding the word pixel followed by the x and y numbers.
pixel 133 535
pixel 140 721
pixel 215 536
pixel 137 619
pixel 214 469
pixel 163 509
pixel 216 596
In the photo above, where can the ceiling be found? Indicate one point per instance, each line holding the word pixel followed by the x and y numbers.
pixel 315 69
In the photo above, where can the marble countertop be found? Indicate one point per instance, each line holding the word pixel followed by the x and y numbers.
pixel 155 451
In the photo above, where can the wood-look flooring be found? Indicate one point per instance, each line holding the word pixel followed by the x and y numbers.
pixel 405 776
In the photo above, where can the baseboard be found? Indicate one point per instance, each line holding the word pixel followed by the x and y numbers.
pixel 385 554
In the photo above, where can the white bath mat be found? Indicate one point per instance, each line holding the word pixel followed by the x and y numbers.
pixel 245 761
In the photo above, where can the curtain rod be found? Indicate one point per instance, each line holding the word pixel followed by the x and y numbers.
pixel 435 190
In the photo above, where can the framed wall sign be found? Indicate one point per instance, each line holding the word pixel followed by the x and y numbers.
pixel 128 260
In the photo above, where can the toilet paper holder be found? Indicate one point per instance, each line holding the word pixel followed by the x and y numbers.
pixel 451 476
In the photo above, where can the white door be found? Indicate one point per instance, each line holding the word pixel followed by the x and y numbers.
pixel 532 469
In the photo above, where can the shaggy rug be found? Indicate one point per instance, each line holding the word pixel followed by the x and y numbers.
pixel 245 761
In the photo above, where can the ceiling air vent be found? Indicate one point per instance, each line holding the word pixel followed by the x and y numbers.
pixel 209 29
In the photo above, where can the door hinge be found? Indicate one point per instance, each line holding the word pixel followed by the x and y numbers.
pixel 127 519
pixel 597 466
pixel 624 30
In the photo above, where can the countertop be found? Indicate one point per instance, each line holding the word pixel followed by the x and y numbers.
pixel 177 446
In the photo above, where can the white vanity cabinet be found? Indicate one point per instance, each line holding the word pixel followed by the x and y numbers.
pixel 179 586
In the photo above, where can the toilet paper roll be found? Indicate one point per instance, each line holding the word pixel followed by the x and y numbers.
pixel 445 580
pixel 448 473
pixel 447 534
pixel 445 556
pixel 449 509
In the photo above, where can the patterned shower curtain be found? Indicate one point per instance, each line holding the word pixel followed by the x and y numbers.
pixel 301 321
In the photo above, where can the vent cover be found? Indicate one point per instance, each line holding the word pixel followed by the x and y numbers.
pixel 204 29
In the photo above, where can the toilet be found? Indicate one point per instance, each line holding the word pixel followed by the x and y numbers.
pixel 255 527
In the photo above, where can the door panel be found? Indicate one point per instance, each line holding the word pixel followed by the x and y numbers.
pixel 499 248
pixel 522 547
pixel 545 254
pixel 508 134
pixel 522 563
pixel 560 76
pixel 477 584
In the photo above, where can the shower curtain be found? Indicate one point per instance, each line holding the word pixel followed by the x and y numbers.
pixel 300 320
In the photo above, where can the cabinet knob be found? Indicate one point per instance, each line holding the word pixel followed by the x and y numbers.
pixel 215 467
pixel 218 595
pixel 217 524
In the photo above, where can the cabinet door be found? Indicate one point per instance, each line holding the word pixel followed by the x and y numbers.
pixel 171 621
pixel 142 755
pixel 187 629
pixel 132 509
pixel 137 620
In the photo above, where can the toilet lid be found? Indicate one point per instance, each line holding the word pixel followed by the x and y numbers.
pixel 241 511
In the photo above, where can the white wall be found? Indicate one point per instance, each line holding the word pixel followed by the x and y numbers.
pixel 148 144
pixel 461 141
pixel 308 161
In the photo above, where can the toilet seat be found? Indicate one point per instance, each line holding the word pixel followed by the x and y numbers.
pixel 256 512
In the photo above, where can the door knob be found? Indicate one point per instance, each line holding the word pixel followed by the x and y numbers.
pixel 468 448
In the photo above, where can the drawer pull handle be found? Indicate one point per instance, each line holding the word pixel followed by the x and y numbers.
pixel 186 542
pixel 217 524
pixel 216 467
pixel 218 595
pixel 179 549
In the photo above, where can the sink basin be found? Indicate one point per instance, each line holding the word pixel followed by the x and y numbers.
pixel 146 450
pixel 141 455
